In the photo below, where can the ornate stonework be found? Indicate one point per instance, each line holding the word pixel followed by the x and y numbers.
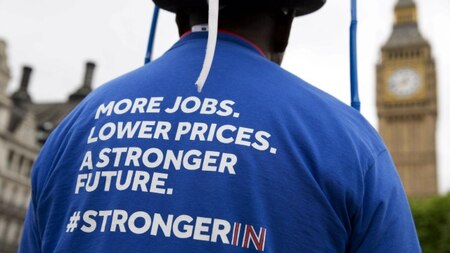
pixel 4 69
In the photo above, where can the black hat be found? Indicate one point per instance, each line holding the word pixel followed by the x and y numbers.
pixel 301 7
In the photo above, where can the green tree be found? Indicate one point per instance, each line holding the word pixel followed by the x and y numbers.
pixel 432 218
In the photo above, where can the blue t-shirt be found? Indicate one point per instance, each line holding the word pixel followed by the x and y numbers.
pixel 258 161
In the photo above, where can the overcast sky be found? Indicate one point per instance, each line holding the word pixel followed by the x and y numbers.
pixel 57 37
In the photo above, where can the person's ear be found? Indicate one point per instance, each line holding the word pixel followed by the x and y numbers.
pixel 183 22
pixel 283 30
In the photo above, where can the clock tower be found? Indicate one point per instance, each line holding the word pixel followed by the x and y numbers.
pixel 407 102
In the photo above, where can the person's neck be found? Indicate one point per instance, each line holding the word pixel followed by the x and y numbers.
pixel 268 31
pixel 262 41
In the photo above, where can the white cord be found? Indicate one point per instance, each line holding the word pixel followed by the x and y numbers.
pixel 213 23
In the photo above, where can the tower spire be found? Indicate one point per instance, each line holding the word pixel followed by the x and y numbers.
pixel 405 12
pixel 404 3
pixel 406 30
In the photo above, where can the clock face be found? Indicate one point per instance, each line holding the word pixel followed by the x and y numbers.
pixel 404 82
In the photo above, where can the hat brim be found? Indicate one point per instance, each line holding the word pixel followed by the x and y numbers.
pixel 301 7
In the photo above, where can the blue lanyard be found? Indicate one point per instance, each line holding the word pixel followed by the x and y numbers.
pixel 151 38
pixel 355 102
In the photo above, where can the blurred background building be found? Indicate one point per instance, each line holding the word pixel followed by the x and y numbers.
pixel 24 127
pixel 18 150
pixel 407 102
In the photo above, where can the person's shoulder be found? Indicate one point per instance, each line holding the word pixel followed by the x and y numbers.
pixel 332 119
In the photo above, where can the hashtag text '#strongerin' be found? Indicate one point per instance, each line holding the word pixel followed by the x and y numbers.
pixel 179 226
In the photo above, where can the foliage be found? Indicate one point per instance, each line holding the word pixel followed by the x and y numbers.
pixel 432 218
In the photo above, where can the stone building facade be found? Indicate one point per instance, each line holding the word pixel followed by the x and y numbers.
pixel 24 127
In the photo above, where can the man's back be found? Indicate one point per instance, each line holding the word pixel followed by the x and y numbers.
pixel 259 161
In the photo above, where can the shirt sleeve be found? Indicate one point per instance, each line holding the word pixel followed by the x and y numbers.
pixel 30 242
pixel 384 222
pixel 37 216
